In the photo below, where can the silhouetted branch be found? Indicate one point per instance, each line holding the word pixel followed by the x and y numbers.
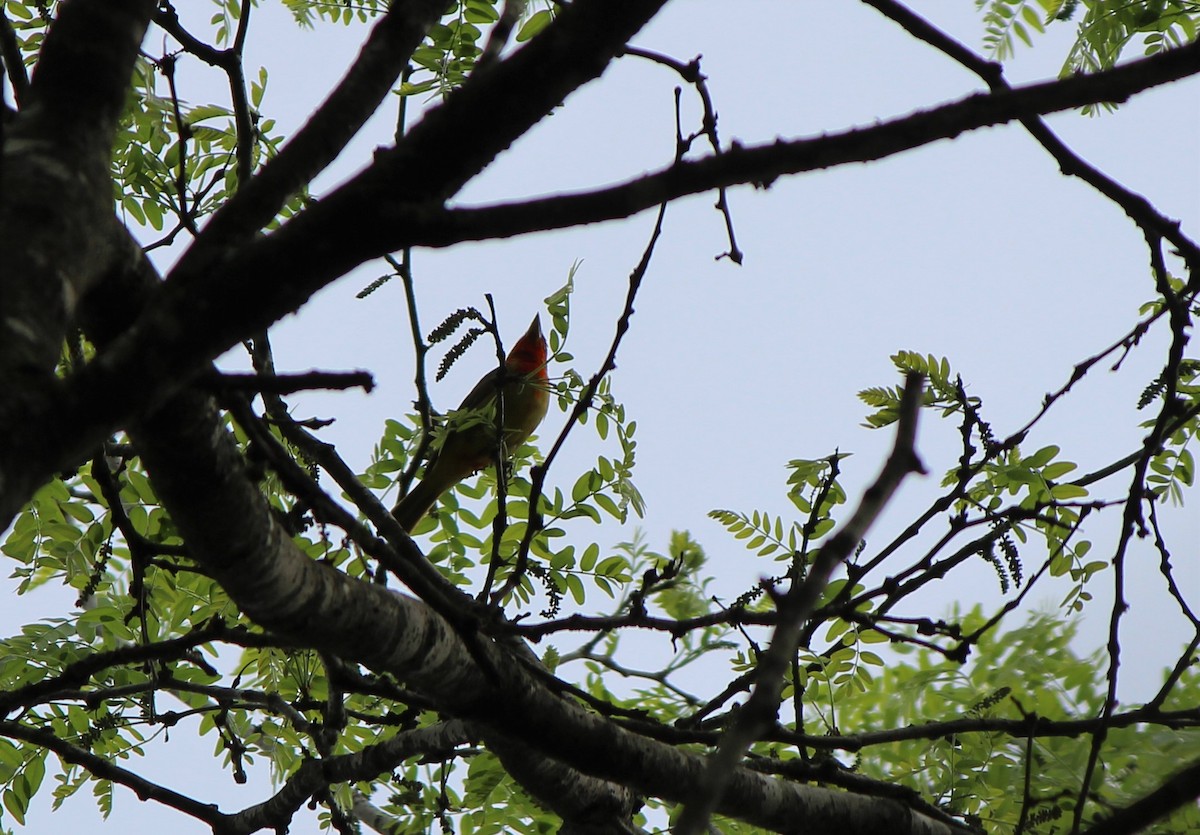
pixel 1139 209
pixel 759 713
pixel 289 383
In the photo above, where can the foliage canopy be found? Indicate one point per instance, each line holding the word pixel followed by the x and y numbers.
pixel 231 571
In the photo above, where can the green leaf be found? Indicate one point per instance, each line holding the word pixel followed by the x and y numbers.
pixel 590 554
pixel 575 587
pixel 1063 492
pixel 536 23
pixel 35 772
pixel 871 658
pixel 1042 457
pixel 563 559
pixel 1021 33
pixel 612 566
pixel 1058 469
pixel 610 507
pixel 1031 17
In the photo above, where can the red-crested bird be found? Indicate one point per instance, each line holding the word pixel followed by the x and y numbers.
pixel 469 442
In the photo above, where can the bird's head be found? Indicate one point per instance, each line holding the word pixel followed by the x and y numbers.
pixel 529 354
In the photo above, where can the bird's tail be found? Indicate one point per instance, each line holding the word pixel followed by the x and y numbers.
pixel 412 508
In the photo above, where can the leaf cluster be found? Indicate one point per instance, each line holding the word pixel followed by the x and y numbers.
pixel 1105 29
pixel 864 663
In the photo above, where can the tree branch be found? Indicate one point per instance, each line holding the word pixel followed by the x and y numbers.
pixel 78 673
pixel 199 476
pixel 367 764
pixel 343 113
pixel 55 189
pixel 188 321
pixel 432 225
pixel 288 383
pixel 105 770
pixel 1139 209
pixel 761 710
pixel 1182 788
pixel 13 60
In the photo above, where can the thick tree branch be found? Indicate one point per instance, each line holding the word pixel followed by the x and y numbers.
pixel 458 139
pixel 434 225
pixel 55 189
pixel 343 113
pixel 82 77
pixel 586 804
pixel 1139 209
pixel 398 554
pixel 189 321
pixel 314 775
pixel 199 475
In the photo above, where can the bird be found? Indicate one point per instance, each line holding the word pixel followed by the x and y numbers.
pixel 469 442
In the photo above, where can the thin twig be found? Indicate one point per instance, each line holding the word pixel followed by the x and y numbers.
pixel 690 72
pixel 186 216
pixel 538 472
pixel 1133 521
pixel 105 770
pixel 759 713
